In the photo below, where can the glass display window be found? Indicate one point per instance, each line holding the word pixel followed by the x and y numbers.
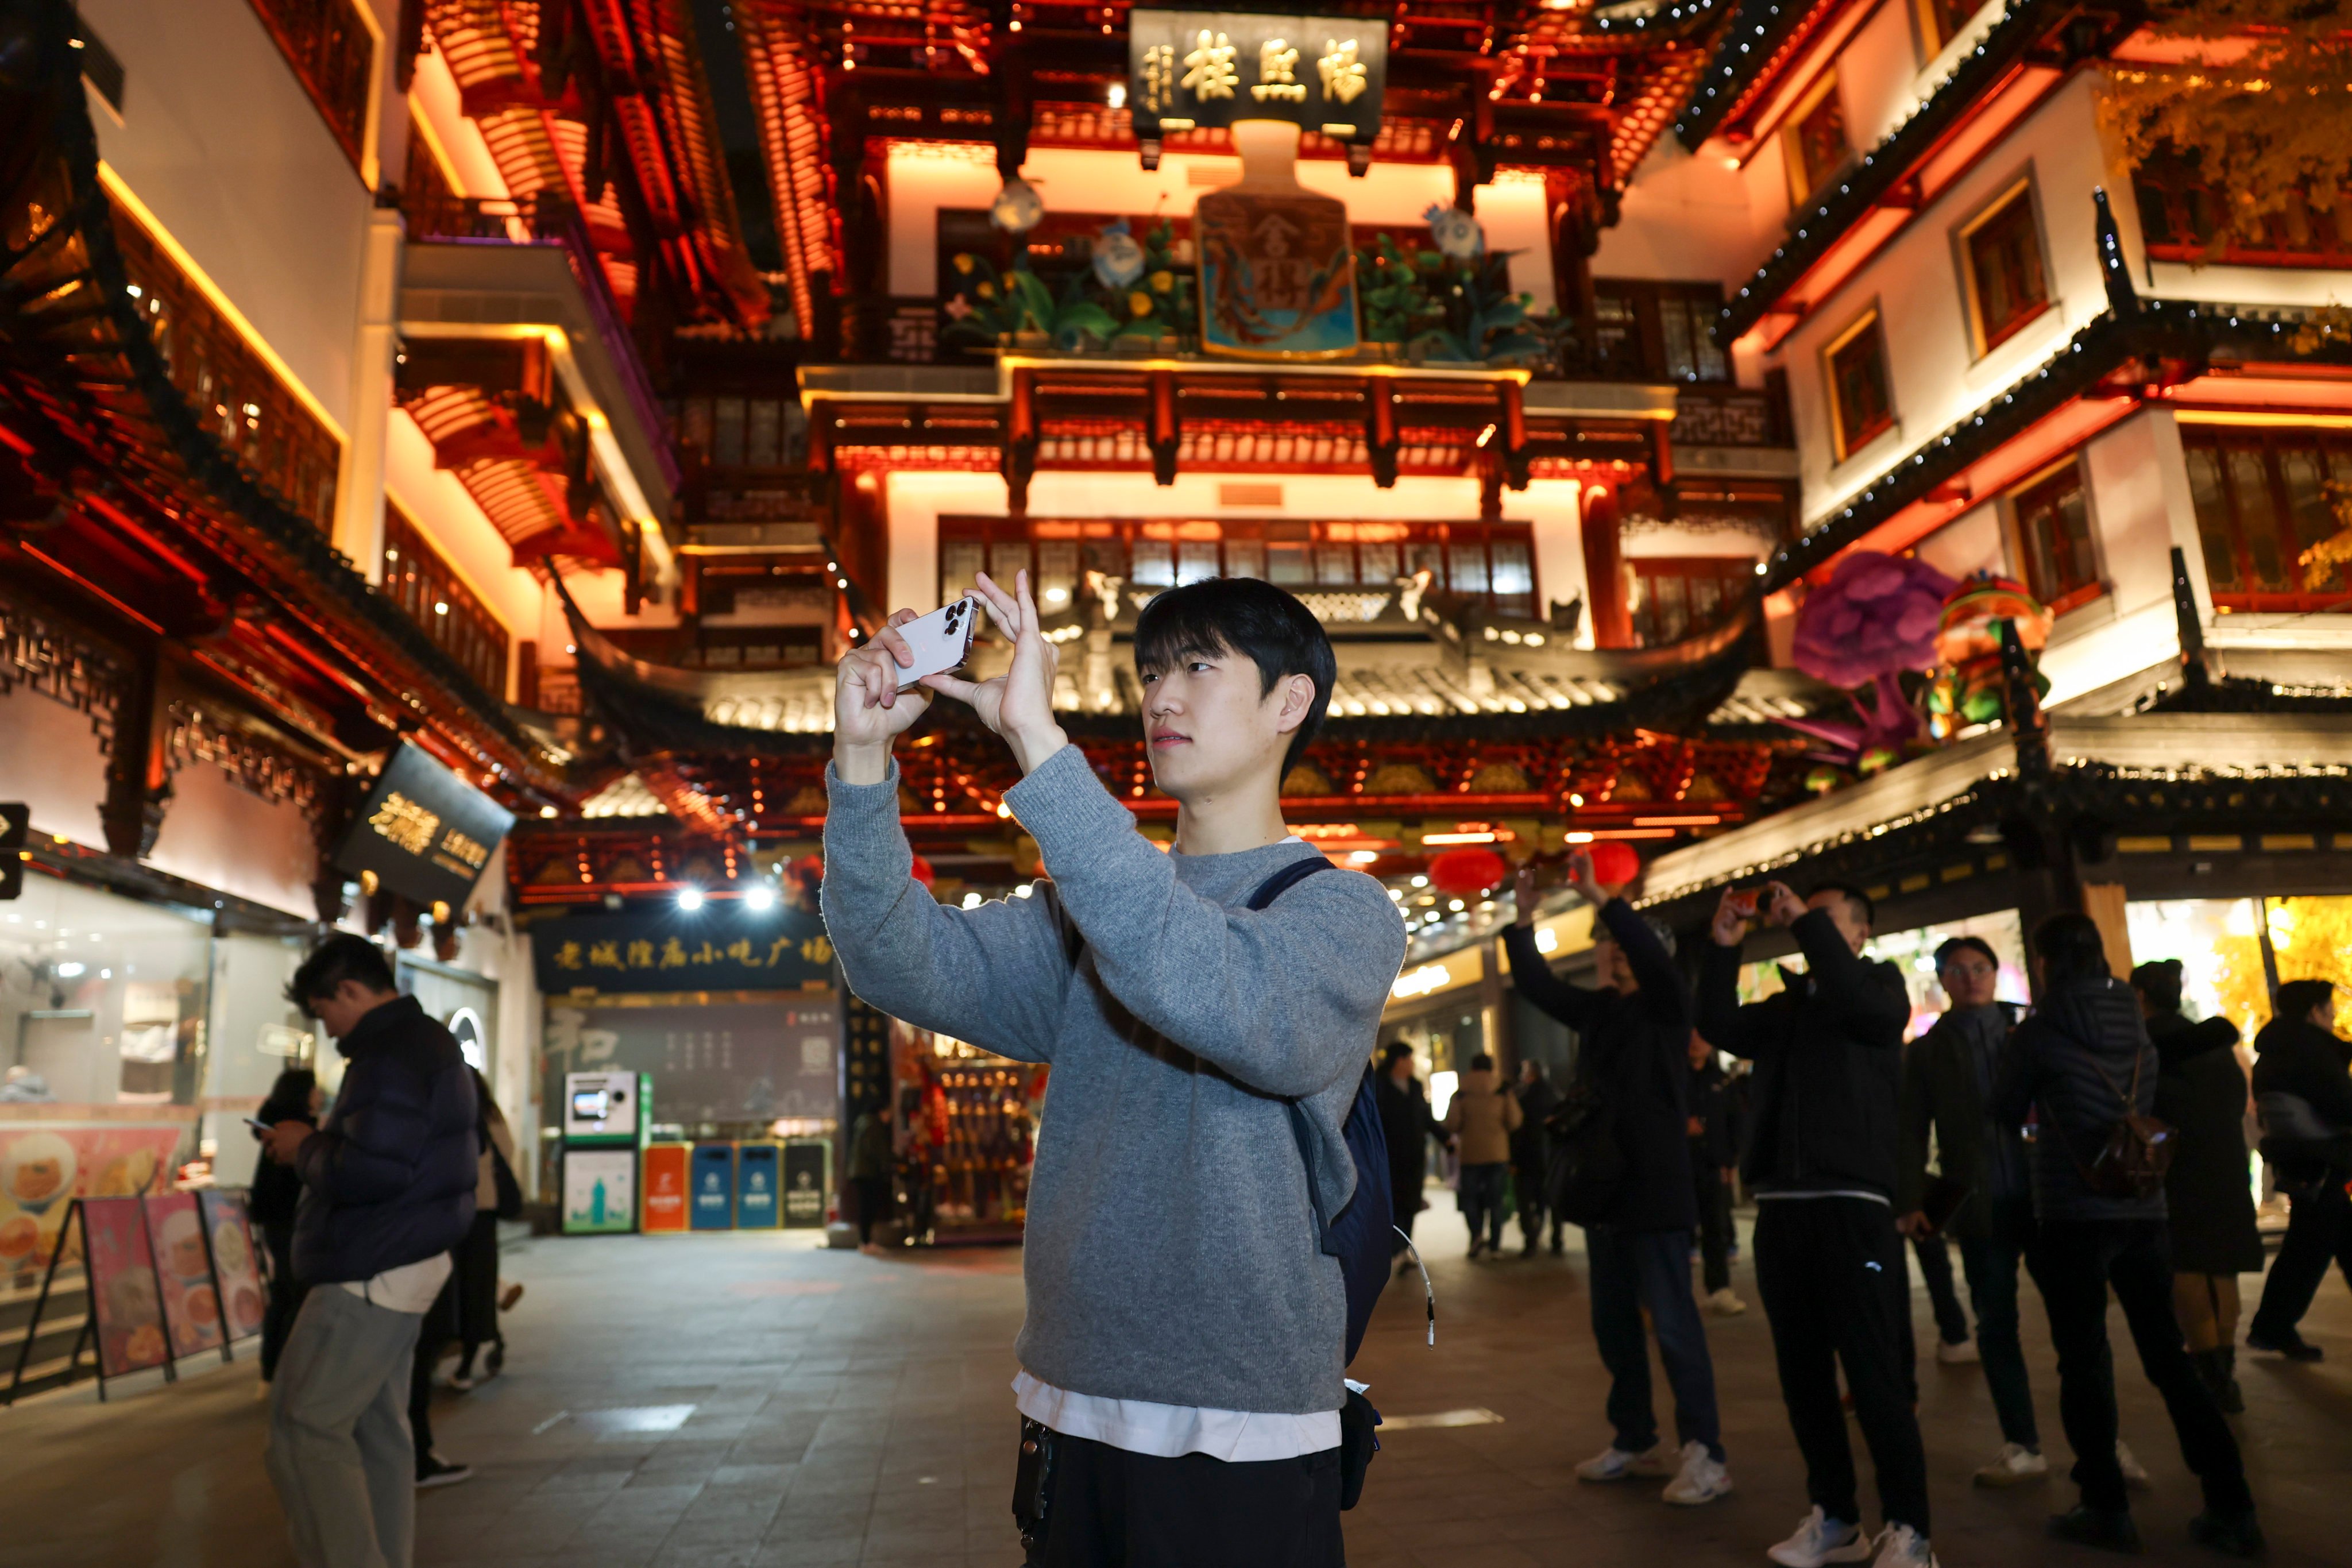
pixel 103 1000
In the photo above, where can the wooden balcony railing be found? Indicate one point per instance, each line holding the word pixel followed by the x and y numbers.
pixel 332 50
pixel 1712 414
pixel 544 218
pixel 422 582
pixel 2185 219
pixel 228 385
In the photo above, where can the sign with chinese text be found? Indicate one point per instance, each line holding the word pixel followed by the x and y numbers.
pixel 423 832
pixel 1193 69
pixel 716 948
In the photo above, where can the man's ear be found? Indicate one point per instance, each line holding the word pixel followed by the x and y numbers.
pixel 1297 694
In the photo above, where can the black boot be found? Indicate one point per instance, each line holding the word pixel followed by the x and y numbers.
pixel 2230 1534
pixel 2109 1530
pixel 2233 1398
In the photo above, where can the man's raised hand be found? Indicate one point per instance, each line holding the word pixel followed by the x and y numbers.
pixel 870 708
pixel 1018 704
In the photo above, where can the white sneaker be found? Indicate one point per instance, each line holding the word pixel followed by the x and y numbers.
pixel 2014 1466
pixel 1900 1546
pixel 1703 1477
pixel 1726 1303
pixel 2135 1476
pixel 1820 1539
pixel 1961 1354
pixel 1615 1463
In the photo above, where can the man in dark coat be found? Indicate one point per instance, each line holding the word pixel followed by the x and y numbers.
pixel 1828 1049
pixel 1531 1153
pixel 1632 1038
pixel 1948 1077
pixel 2299 1058
pixel 2209 1203
pixel 2081 1065
pixel 387 1190
pixel 1408 1126
pixel 1714 1150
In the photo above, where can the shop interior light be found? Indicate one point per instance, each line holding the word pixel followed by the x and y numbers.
pixel 1024 890
pixel 69 971
pixel 972 901
pixel 689 899
pixel 759 897
pixel 1421 882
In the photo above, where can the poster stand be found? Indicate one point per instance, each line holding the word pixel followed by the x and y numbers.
pixel 220 1297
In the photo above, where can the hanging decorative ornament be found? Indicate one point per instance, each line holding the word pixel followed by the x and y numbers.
pixel 1118 255
pixel 923 872
pixel 1466 873
pixel 1017 207
pixel 1458 235
pixel 1614 864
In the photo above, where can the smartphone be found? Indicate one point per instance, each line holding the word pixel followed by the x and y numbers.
pixel 261 1126
pixel 941 640
pixel 1747 901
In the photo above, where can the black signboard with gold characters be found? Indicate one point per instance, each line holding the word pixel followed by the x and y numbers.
pixel 423 833
pixel 722 946
pixel 1194 69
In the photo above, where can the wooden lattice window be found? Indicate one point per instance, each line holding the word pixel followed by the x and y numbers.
pixel 2054 533
pixel 1862 403
pixel 420 580
pixel 331 48
pixel 2007 287
pixel 2263 497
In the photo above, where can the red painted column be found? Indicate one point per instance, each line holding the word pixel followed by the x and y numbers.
pixel 1604 570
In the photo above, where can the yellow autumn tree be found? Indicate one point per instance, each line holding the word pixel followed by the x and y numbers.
pixel 2311 940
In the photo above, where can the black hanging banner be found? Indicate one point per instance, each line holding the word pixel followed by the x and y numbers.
pixel 423 832
pixel 1196 70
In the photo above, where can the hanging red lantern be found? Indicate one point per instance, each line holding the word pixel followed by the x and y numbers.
pixel 1614 864
pixel 923 872
pixel 1467 873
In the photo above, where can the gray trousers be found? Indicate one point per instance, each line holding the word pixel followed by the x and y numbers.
pixel 339 1453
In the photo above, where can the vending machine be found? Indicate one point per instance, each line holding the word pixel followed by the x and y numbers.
pixel 607 1117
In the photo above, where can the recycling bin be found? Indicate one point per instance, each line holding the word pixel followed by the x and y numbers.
pixel 711 1177
pixel 757 1171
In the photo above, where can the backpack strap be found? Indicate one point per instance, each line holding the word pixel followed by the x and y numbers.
pixel 1282 881
pixel 1301 1131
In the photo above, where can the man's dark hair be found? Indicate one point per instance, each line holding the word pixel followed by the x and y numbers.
pixel 338 958
pixel 1254 619
pixel 2296 998
pixel 1392 1053
pixel 1854 897
pixel 2071 949
pixel 1953 947
pixel 2160 983
pixel 1482 1062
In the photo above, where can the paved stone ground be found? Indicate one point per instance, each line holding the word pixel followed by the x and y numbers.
pixel 825 1407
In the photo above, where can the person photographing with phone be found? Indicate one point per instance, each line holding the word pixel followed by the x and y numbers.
pixel 1631 1066
pixel 1828 1049
pixel 1180 1361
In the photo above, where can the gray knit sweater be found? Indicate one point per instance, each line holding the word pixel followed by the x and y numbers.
pixel 1170 1253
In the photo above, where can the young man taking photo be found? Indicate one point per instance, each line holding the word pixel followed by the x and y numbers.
pixel 387 1190
pixel 1828 1051
pixel 1181 1363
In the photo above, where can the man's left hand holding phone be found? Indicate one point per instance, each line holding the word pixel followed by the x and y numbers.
pixel 873 704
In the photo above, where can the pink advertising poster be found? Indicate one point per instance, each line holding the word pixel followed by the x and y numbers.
pixel 46 1165
pixel 191 1302
pixel 242 1296
pixel 122 1288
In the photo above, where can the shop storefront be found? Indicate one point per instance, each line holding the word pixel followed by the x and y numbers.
pixel 965 1137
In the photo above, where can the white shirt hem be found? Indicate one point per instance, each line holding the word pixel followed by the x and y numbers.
pixel 1171 1431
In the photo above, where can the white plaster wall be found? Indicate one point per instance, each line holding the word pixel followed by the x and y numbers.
pixel 50 760
pixel 1690 215
pixel 219 140
pixel 1969 543
pixel 1917 283
pixel 217 835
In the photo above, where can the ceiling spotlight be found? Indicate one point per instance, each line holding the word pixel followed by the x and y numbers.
pixel 69 971
pixel 546 812
pixel 689 899
pixel 759 897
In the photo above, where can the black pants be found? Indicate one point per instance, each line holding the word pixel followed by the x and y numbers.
pixel 1634 1271
pixel 2318 1232
pixel 1481 1201
pixel 1111 1509
pixel 873 1197
pixel 1714 1195
pixel 2077 1262
pixel 1936 1268
pixel 1991 1263
pixel 1533 1215
pixel 1831 1273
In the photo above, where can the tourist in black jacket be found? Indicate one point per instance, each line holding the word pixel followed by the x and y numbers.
pixel 1828 1051
pixel 387 1190
pixel 2297 1057
pixel 2080 1064
pixel 2209 1204
pixel 271 1203
pixel 1531 1153
pixel 1408 1126
pixel 1947 1078
pixel 1632 1033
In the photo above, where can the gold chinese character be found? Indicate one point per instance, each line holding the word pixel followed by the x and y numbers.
pixel 672 954
pixel 739 950
pixel 817 950
pixel 778 948
pixel 1209 70
pixel 605 955
pixel 706 953
pixel 641 955
pixel 568 956
pixel 1278 77
pixel 1342 72
pixel 405 823
pixel 1158 75
pixel 467 850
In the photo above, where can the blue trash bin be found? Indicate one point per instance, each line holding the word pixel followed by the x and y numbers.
pixel 756 1176
pixel 711 1182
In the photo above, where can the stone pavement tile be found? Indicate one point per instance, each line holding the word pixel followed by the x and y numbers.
pixel 827 1554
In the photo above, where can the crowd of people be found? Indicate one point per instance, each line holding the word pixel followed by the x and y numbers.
pixel 2094 1145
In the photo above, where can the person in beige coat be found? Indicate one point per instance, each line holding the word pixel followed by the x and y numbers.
pixel 1484 1115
